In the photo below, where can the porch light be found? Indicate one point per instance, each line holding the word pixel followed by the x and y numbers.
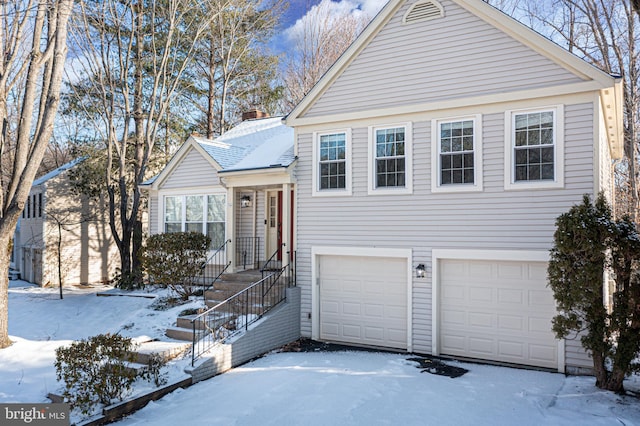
pixel 420 271
pixel 245 201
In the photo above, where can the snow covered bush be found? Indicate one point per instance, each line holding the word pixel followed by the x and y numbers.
pixel 175 260
pixel 95 371
pixel 588 242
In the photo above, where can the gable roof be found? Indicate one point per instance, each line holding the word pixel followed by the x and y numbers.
pixel 255 145
pixel 57 172
pixel 590 77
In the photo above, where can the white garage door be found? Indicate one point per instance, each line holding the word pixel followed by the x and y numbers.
pixel 363 300
pixel 497 311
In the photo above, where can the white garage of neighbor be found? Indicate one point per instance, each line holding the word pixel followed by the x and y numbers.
pixel 495 309
pixel 362 297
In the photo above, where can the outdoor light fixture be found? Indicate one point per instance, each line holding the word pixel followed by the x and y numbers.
pixel 420 271
pixel 245 201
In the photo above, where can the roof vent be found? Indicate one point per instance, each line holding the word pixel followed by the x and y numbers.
pixel 423 11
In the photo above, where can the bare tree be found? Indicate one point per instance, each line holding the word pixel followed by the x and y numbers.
pixel 33 39
pixel 318 41
pixel 135 56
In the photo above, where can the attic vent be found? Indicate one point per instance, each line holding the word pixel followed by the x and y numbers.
pixel 423 11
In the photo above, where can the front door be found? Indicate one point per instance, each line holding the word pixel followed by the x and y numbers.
pixel 274 225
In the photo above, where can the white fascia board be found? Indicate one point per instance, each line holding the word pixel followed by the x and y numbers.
pixel 611 100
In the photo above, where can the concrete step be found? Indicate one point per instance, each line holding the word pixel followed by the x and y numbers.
pixel 244 276
pixel 166 350
pixel 179 333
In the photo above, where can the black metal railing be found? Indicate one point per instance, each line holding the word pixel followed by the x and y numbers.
pixel 247 252
pixel 273 264
pixel 214 268
pixel 234 315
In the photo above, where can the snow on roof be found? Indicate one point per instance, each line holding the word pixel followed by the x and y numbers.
pixel 252 144
pixel 58 171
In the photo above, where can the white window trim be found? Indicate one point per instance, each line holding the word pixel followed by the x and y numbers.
pixel 408 157
pixel 477 156
pixel 346 191
pixel 558 160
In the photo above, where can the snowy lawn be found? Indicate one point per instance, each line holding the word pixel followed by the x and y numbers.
pixel 316 388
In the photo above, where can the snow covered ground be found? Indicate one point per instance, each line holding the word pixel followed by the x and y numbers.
pixel 316 388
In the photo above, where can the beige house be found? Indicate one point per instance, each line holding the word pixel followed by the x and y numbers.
pixel 433 160
pixel 62 231
pixel 238 189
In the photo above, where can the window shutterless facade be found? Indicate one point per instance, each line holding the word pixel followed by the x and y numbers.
pixel 197 213
pixel 535 148
pixel 457 154
pixel 390 159
pixel 332 163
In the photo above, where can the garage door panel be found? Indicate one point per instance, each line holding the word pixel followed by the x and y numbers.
pixel 497 311
pixel 480 347
pixel 371 298
pixel 329 307
pixel 480 294
pixel 511 323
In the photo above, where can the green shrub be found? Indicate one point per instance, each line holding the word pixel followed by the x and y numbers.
pixel 95 370
pixel 588 242
pixel 153 370
pixel 175 260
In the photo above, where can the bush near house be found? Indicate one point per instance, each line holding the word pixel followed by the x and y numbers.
pixel 175 260
pixel 95 370
pixel 588 242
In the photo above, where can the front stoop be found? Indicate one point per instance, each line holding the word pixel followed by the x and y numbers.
pixel 229 285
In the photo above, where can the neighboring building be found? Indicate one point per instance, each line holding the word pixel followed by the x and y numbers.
pixel 434 158
pixel 54 216
pixel 238 187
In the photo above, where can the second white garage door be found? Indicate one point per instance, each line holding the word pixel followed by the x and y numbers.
pixel 363 300
pixel 497 311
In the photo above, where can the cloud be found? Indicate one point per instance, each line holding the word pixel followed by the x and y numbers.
pixel 357 8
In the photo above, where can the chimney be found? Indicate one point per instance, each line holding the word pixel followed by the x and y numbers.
pixel 252 114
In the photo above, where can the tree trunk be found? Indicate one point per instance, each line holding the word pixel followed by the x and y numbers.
pixel 4 290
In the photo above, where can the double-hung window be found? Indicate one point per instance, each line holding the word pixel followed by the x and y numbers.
pixel 390 159
pixel 197 213
pixel 456 159
pixel 535 148
pixel 331 161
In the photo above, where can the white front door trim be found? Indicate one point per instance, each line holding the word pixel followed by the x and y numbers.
pixel 497 255
pixel 317 251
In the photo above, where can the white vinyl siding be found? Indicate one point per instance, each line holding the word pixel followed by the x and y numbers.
pixel 456 154
pixel 192 171
pixel 492 219
pixel 437 63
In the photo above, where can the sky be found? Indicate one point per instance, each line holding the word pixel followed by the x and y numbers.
pixel 298 12
pixel 294 388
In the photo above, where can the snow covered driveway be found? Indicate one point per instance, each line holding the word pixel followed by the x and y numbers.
pixel 365 388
